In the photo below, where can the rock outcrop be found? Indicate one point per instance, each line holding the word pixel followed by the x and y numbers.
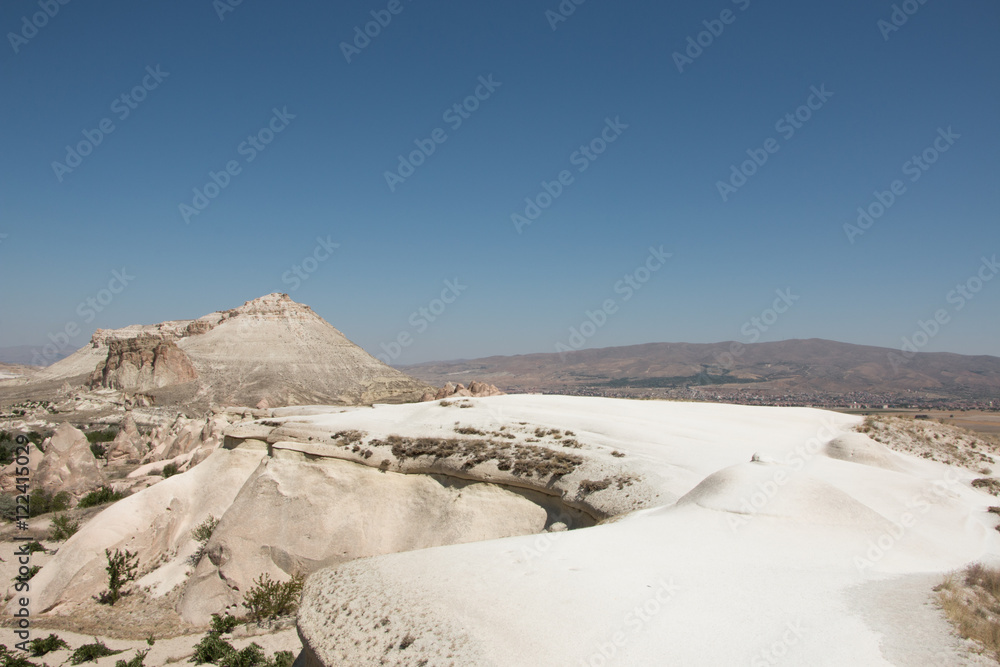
pixel 68 464
pixel 474 390
pixel 143 363
pixel 270 349
pixel 128 444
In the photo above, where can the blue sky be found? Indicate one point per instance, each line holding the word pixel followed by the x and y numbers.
pixel 224 71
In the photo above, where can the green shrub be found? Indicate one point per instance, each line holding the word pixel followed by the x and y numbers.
pixel 269 599
pixel 251 656
pixel 100 496
pixel 102 435
pixel 223 624
pixel 90 653
pixel 10 658
pixel 33 547
pixel 98 450
pixel 121 569
pixel 203 532
pixel 40 647
pixel 136 661
pixel 32 571
pixel 212 648
pixel 43 502
pixel 8 507
pixel 63 528
pixel 169 470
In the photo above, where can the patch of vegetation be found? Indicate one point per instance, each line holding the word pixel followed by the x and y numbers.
pixel 169 470
pixel 99 450
pixel 224 624
pixel 406 642
pixel 268 599
pixel 91 652
pixel 202 534
pixel 34 547
pixel 215 650
pixel 43 502
pixel 468 430
pixel 521 460
pixel 63 528
pixel 349 437
pixel 589 486
pixel 102 435
pixel 121 569
pixel 8 507
pixel 934 441
pixel 618 454
pixel 972 604
pixel 203 531
pixel 14 658
pixel 988 484
pixel 572 443
pixel 32 571
pixel 101 496
pixel 211 649
pixel 39 647
pixel 136 661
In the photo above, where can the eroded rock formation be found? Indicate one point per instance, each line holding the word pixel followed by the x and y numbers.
pixel 143 363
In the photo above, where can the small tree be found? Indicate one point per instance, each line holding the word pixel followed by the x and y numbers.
pixel 63 528
pixel 121 569
pixel 269 599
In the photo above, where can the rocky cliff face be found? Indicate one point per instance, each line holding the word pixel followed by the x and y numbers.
pixel 142 364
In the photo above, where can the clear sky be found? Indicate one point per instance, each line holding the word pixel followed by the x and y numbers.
pixel 117 114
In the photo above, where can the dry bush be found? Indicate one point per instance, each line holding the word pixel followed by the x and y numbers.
pixel 988 484
pixel 589 486
pixel 972 604
pixel 521 460
pixel 935 441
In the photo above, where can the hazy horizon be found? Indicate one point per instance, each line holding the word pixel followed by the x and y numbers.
pixel 647 173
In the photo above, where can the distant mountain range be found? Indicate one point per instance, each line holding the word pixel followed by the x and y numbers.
pixel 785 367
